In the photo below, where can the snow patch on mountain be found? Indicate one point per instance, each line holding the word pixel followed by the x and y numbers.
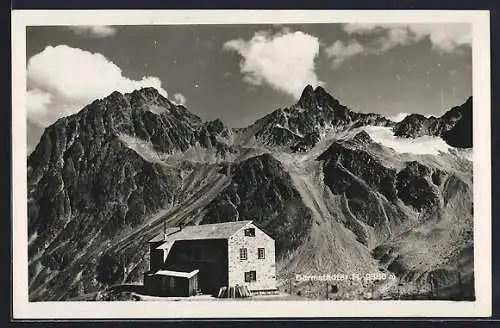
pixel 419 146
pixel 296 132
pixel 144 148
pixel 199 154
pixel 157 109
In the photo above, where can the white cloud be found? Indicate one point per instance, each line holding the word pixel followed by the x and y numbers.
pixel 101 31
pixel 285 61
pixel 37 100
pixel 62 80
pixel 445 37
pixel 396 36
pixel 341 51
pixel 179 98
pixel 361 28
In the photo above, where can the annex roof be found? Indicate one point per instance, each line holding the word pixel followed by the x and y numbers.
pixel 203 231
pixel 171 273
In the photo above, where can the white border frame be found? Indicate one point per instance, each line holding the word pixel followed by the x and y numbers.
pixel 22 309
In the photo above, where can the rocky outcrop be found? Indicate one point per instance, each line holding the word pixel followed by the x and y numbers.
pixel 307 142
pixel 417 125
pixel 357 173
pixel 362 138
pixel 417 185
pixel 345 167
pixel 368 188
pixel 455 126
pixel 460 134
pixel 261 190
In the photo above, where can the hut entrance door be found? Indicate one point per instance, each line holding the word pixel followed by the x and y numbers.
pixel 206 277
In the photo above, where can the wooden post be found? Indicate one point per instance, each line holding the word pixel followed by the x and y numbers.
pixel 326 288
pixel 436 285
pixel 431 282
pixel 460 281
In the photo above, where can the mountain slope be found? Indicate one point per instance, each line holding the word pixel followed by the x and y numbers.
pixel 86 186
pixel 261 189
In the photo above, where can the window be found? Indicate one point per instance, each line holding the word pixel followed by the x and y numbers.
pixel 243 254
pixel 250 276
pixel 261 253
pixel 250 232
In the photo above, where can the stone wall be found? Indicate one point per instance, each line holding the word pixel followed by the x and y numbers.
pixel 265 268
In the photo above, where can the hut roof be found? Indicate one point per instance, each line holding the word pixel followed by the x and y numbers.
pixel 202 231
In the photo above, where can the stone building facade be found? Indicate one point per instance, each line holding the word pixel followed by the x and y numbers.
pixel 251 259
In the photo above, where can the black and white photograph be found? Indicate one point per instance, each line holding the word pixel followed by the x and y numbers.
pixel 196 159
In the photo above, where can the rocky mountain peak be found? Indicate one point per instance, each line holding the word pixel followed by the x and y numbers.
pixel 115 95
pixel 317 111
pixel 147 92
pixel 147 97
pixel 316 98
pixel 307 97
pixel 324 98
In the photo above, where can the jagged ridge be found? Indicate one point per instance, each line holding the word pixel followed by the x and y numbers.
pixel 301 125
pixel 454 126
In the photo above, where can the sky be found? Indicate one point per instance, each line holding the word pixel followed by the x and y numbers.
pixel 239 73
